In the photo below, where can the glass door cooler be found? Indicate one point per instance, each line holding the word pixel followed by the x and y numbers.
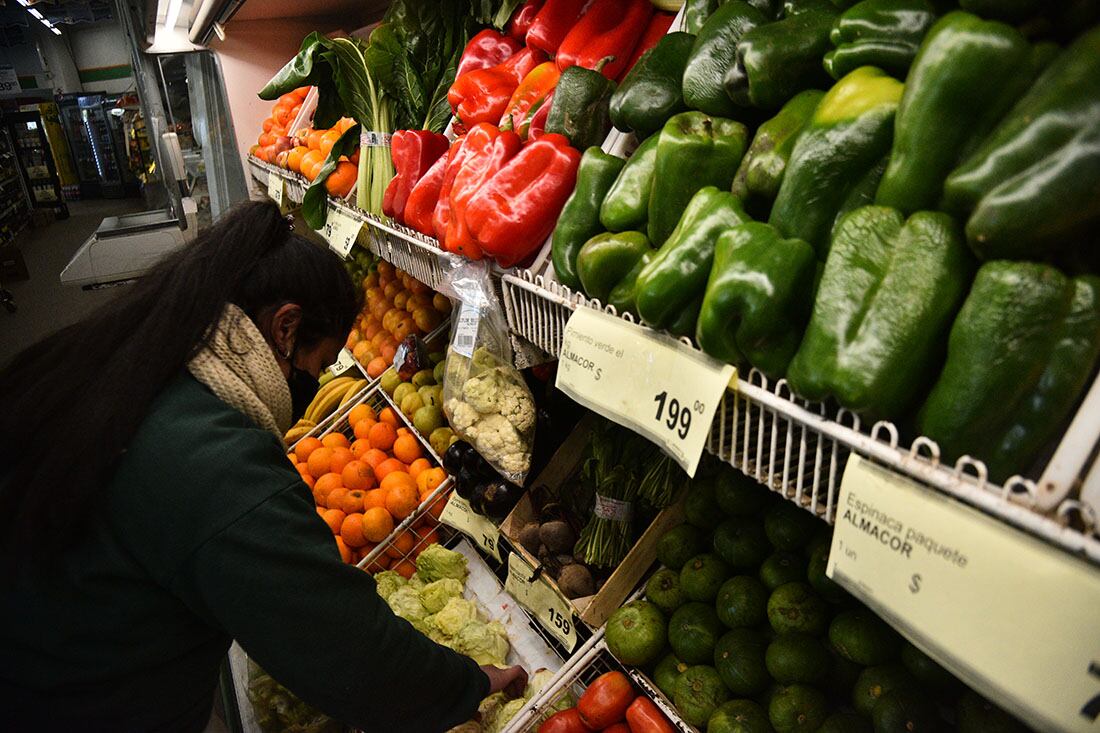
pixel 35 161
pixel 93 145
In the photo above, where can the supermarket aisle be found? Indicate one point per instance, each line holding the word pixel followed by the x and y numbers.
pixel 46 305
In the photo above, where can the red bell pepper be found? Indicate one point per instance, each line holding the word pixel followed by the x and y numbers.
pixel 442 214
pixel 482 95
pixel 534 125
pixel 643 716
pixel 522 19
pixel 423 198
pixel 515 211
pixel 413 153
pixel 486 49
pixel 529 95
pixel 657 29
pixel 610 29
pixel 553 23
pixel 487 150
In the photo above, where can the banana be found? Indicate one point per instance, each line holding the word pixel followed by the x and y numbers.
pixel 352 391
pixel 296 433
pixel 337 385
pixel 329 402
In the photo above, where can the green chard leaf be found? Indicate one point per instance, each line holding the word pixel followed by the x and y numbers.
pixel 315 200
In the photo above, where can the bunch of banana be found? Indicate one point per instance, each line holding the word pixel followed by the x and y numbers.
pixel 300 430
pixel 336 392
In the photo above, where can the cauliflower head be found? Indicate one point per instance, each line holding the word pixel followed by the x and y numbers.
pixel 500 443
pixel 435 595
pixel 456 615
pixel 436 562
pixel 485 643
pixel 462 416
pixel 482 392
pixel 405 602
pixel 516 405
pixel 387 582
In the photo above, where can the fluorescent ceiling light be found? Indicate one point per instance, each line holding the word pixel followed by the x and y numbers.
pixel 55 31
pixel 35 13
pixel 41 18
pixel 173 14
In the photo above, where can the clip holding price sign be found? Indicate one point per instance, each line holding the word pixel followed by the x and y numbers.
pixel 276 190
pixel 551 610
pixel 344 362
pixel 1003 611
pixel 644 380
pixel 461 516
pixel 341 230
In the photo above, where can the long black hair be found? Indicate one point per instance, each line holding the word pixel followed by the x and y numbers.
pixel 71 403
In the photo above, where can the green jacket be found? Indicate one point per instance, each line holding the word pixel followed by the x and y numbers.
pixel 206 534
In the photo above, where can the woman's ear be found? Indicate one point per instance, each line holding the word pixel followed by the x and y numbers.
pixel 284 329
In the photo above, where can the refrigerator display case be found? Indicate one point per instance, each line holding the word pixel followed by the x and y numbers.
pixel 84 119
pixel 59 148
pixel 34 161
pixel 15 202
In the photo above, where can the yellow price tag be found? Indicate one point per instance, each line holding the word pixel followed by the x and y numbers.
pixel 644 380
pixel 344 362
pixel 459 514
pixel 1005 612
pixel 341 230
pixel 552 611
pixel 276 190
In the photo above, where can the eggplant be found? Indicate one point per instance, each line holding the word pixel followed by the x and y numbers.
pixel 455 456
pixel 498 498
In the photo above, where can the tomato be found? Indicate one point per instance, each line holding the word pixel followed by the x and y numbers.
pixel 606 700
pixel 567 721
pixel 645 717
pixel 618 728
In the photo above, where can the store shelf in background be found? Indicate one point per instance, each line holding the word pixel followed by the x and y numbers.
pixel 799 449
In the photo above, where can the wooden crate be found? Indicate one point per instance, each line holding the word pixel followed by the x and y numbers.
pixel 593 610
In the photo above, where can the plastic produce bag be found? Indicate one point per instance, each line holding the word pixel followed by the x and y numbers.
pixel 484 397
pixel 278 710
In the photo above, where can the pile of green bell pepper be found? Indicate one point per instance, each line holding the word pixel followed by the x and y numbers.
pixel 1021 350
pixel 712 55
pixel 579 220
pixel 626 205
pixel 881 33
pixel 886 299
pixel 652 91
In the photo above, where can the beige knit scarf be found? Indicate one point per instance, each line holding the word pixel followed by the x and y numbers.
pixel 239 367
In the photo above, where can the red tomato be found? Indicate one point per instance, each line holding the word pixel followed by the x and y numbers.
pixel 618 728
pixel 605 701
pixel 567 721
pixel 645 717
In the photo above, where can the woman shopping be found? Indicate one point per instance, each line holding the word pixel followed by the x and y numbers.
pixel 148 514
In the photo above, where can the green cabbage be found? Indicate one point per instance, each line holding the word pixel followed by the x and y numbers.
pixel 484 643
pixel 387 582
pixel 435 595
pixel 456 615
pixel 437 562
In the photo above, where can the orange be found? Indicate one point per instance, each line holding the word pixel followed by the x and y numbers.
pixel 387 467
pixel 388 352
pixel 380 563
pixel 305 447
pixel 302 469
pixel 327 140
pixel 402 545
pixel 335 498
pixel 397 478
pixel 358 476
pixel 320 461
pixel 268 124
pixel 375 498
pixel 386 269
pixel 362 428
pixel 313 139
pixel 340 458
pixel 401 501
pixel 441 303
pixel 374 458
pixel 294 158
pixel 376 524
pixel 382 435
pixel 399 299
pixel 309 159
pixel 358 448
pixel 352 530
pixel 419 465
pixel 405 568
pixel 345 551
pixel 333 518
pixel 320 511
pixel 361 351
pixel 407 449
pixel 389 416
pixel 429 480
pixel 352 502
pixel 315 170
pixel 359 412
pixel 335 440
pixel 328 483
pixel 427 538
pixel 340 181
pixel 376 366
pixel 435 509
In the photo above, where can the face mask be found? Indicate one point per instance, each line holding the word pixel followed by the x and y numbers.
pixel 303 388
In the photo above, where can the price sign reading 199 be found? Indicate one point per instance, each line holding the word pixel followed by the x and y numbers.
pixel 676 417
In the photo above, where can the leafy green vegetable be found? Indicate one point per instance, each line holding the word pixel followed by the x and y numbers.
pixel 314 208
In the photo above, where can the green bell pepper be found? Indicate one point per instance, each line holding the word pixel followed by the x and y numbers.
pixel 1021 351
pixel 607 258
pixel 651 91
pixel 677 274
pixel 622 296
pixel 693 151
pixel 696 13
pixel 580 217
pixel 761 171
pixel 881 33
pixel 778 60
pixel 848 135
pixel 581 108
pixel 966 75
pixel 626 205
pixel 714 51
pixel 685 323
pixel 885 302
pixel 757 299
pixel 1032 185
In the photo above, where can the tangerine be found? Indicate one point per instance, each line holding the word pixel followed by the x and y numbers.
pixel 418 466
pixel 327 140
pixel 376 367
pixel 402 500
pixel 407 449
pixel 359 412
pixel 341 457
pixel 387 467
pixel 376 523
pixel 389 416
pixel 398 478
pixel 382 435
pixel 402 545
pixel 345 551
pixel 375 498
pixel 306 446
pixel 406 569
pixel 352 530
pixel 362 428
pixel 320 462
pixel 358 476
pixel 335 498
pixel 374 458
pixel 327 483
pixel 430 480
pixel 334 518
pixel 335 440
pixel 359 448
pixel 340 181
pixel 352 502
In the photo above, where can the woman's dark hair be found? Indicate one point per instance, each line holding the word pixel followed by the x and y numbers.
pixel 70 404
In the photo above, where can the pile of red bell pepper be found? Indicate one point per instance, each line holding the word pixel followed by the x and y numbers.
pixel 610 705
pixel 497 190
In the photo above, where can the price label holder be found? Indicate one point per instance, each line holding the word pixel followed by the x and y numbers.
pixel 643 380
pixel 341 229
pixel 552 611
pixel 460 515
pixel 276 190
pixel 1008 614
pixel 345 362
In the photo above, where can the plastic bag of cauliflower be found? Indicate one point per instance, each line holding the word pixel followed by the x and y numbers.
pixel 485 398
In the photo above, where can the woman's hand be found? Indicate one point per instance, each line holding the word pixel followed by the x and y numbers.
pixel 512 680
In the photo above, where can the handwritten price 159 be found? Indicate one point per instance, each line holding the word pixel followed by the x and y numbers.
pixel 677 417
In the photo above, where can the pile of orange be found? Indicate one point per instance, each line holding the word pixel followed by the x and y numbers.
pixel 396 305
pixel 364 486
